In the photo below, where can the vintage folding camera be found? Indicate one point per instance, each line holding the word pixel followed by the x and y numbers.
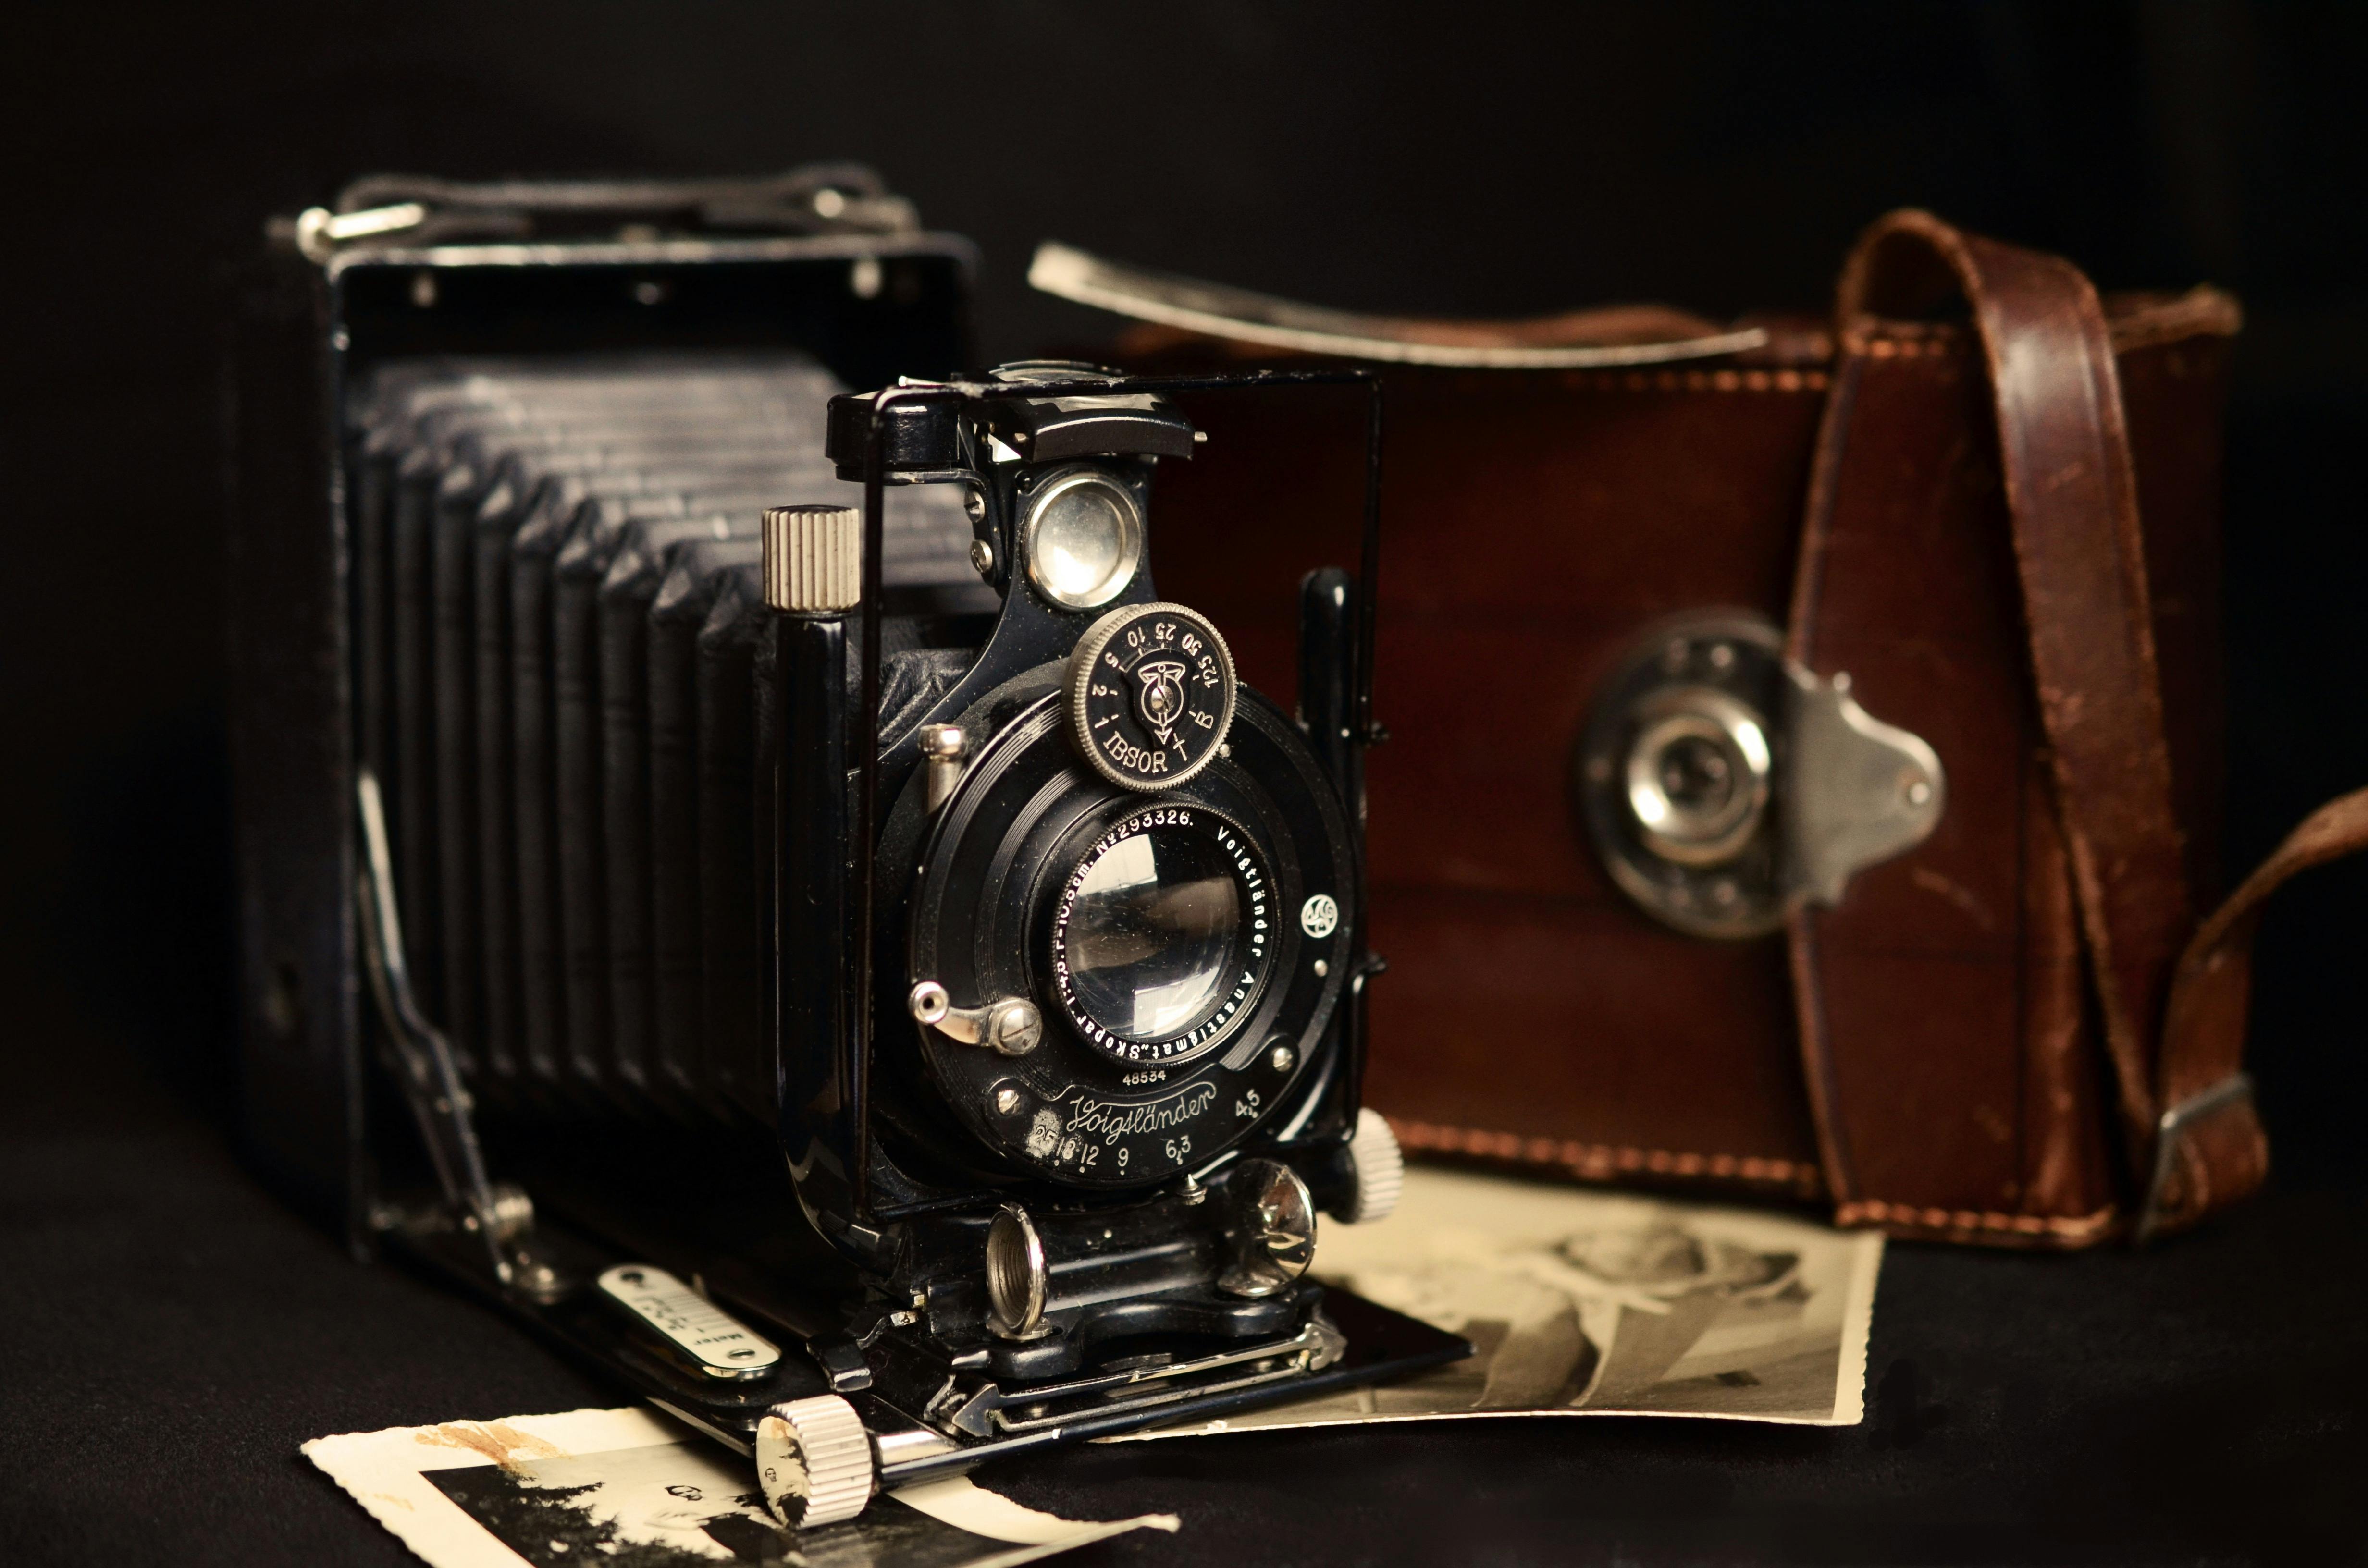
pixel 849 959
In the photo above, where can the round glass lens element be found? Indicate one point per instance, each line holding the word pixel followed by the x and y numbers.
pixel 1150 936
pixel 1084 537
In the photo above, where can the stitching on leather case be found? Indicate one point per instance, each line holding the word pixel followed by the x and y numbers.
pixel 1910 348
pixel 1696 380
pixel 1601 1161
pixel 2068 1228
pixel 2200 313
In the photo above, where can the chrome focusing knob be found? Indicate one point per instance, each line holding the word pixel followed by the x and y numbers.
pixel 1381 1171
pixel 814 1460
pixel 1269 1229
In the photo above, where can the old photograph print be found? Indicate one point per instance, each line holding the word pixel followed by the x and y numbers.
pixel 631 1489
pixel 676 1505
pixel 1587 1302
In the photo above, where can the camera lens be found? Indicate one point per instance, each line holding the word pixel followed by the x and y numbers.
pixel 1151 932
pixel 1084 535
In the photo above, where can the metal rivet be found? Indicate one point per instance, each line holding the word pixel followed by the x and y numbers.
pixel 1282 1057
pixel 1322 968
pixel 1919 793
pixel 1721 657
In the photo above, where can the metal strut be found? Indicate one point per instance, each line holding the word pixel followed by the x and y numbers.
pixel 422 1061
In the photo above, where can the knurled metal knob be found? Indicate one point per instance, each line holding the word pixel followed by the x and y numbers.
pixel 1381 1169
pixel 814 1460
pixel 814 558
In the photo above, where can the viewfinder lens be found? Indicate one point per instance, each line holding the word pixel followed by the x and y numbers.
pixel 1084 537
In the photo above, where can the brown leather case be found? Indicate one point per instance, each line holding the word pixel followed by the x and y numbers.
pixel 1940 495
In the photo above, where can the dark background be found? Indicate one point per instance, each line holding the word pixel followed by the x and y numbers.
pixel 169 1335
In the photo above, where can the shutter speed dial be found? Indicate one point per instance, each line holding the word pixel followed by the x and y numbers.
pixel 1150 695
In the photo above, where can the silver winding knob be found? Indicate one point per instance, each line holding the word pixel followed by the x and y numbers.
pixel 814 1460
pixel 1380 1167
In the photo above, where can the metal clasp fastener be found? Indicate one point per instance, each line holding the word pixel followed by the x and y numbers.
pixel 2170 1128
pixel 1724 786
pixel 1856 790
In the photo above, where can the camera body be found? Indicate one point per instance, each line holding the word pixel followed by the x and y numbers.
pixel 868 975
pixel 1114 964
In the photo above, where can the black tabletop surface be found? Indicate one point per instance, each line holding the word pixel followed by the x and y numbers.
pixel 173 1335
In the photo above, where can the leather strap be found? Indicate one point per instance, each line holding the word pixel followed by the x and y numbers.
pixel 2070 496
pixel 2064 456
pixel 2214 1153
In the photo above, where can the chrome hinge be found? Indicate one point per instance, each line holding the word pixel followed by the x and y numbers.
pixel 2170 1128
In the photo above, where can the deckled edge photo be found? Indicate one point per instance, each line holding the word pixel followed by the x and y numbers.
pixel 1585 1302
pixel 630 1482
